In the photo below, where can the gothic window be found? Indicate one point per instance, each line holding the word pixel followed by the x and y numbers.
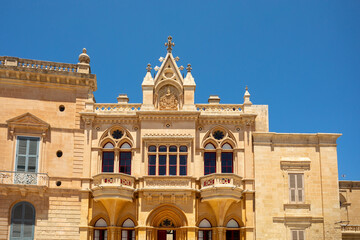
pixel 297 235
pixel 27 154
pixel 100 230
pixel 209 159
pixel 125 158
pixel 232 230
pixel 167 160
pixel 296 187
pixel 204 230
pixel 22 221
pixel 128 232
pixel 108 158
pixel 227 159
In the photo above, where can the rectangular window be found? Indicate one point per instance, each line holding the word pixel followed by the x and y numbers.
pixel 209 162
pixel 108 162
pixel 172 165
pixel 296 187
pixel 152 164
pixel 125 162
pixel 204 234
pixel 183 165
pixel 226 162
pixel 162 164
pixel 27 154
pixel 297 235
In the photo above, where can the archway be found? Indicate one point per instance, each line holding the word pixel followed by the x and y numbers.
pixel 167 222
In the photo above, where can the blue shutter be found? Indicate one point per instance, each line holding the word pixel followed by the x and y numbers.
pixel 22 221
pixel 27 154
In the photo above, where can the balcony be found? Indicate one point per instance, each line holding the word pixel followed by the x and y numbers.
pixel 113 185
pixel 167 189
pixel 24 182
pixel 221 186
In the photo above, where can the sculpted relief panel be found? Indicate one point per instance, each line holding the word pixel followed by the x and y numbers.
pixel 168 98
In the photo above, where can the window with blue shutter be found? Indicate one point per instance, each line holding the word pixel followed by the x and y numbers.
pixel 22 221
pixel 27 154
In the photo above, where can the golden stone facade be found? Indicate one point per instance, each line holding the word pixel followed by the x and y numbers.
pixel 166 168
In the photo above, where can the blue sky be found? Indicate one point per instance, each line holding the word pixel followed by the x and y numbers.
pixel 302 58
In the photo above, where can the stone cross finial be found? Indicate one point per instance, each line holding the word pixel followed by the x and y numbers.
pixel 189 68
pixel 148 68
pixel 246 88
pixel 181 68
pixel 169 44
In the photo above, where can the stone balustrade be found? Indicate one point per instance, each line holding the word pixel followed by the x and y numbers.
pixel 221 180
pixel 36 64
pixel 167 182
pixel 116 108
pixel 350 228
pixel 214 108
pixel 24 178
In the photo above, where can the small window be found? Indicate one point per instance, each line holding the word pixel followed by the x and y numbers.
pixel 226 162
pixel 117 134
pixel 209 162
pixel 183 148
pixel 232 224
pixel 27 154
pixel 100 223
pixel 125 162
pixel 226 146
pixel 128 223
pixel 152 149
pixel 100 231
pixel 172 149
pixel 162 149
pixel 128 234
pixel 125 146
pixel 296 187
pixel 183 165
pixel 297 235
pixel 209 146
pixel 108 145
pixel 172 164
pixel 152 165
pixel 205 234
pixel 108 162
pixel 218 135
pixel 205 224
pixel 162 165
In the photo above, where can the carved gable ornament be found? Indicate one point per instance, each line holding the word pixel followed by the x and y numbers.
pixel 27 123
pixel 168 100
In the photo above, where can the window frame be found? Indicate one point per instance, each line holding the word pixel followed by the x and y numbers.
pixel 125 151
pixel 296 189
pixel 27 156
pixel 23 220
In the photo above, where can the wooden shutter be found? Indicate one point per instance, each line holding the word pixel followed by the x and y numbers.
pixel 27 154
pixel 292 187
pixel 301 235
pixel 300 187
pixel 296 187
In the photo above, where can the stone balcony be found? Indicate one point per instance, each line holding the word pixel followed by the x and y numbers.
pixel 221 186
pixel 113 185
pixel 24 182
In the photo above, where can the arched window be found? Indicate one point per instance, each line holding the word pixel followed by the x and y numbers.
pixel 125 158
pixel 209 159
pixel 227 159
pixel 128 232
pixel 22 221
pixel 100 230
pixel 232 230
pixel 108 158
pixel 204 230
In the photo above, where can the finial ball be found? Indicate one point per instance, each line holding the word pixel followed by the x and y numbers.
pixel 83 57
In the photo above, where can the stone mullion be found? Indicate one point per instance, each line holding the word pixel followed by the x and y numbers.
pixel 218 161
pixel 116 160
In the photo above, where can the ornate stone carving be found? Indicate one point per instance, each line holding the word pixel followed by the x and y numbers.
pixel 168 101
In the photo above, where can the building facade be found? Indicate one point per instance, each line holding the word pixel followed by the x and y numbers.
pixel 166 168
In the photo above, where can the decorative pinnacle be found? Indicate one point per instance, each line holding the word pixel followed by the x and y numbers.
pixel 84 50
pixel 189 68
pixel 181 68
pixel 177 59
pixel 246 88
pixel 148 68
pixel 169 44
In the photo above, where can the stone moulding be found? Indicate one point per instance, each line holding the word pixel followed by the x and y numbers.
pixel 298 221
pixel 27 122
pixel 295 164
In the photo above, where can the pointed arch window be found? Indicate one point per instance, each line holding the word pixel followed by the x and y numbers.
pixel 22 221
pixel 209 159
pixel 227 160
pixel 128 232
pixel 232 230
pixel 205 232
pixel 125 158
pixel 100 230
pixel 108 157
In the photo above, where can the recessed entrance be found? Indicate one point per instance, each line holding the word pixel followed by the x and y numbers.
pixel 166 234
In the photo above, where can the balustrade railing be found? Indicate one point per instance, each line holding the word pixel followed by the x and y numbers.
pixel 167 182
pixel 213 108
pixel 36 64
pixel 221 180
pixel 114 179
pixel 116 108
pixel 350 228
pixel 24 178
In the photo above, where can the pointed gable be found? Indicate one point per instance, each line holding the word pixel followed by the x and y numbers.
pixel 169 71
pixel 27 122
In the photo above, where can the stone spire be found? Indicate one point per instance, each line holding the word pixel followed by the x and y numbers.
pixel 189 79
pixel 247 101
pixel 148 80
